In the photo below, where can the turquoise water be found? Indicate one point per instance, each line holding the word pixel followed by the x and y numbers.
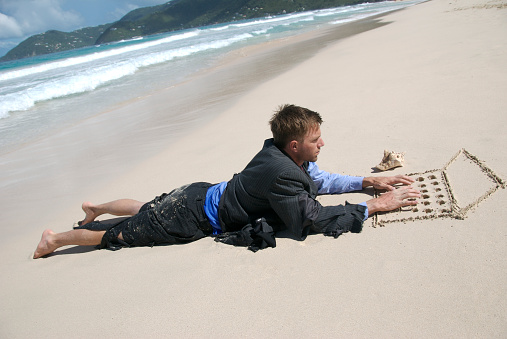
pixel 42 94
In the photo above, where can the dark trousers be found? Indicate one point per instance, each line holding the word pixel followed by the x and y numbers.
pixel 172 218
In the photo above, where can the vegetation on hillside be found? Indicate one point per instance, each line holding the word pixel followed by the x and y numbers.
pixel 55 41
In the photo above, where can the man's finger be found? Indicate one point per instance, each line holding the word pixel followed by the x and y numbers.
pixel 411 179
pixel 408 192
pixel 409 202
pixel 405 179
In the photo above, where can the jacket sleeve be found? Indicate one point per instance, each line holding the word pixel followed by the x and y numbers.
pixel 301 213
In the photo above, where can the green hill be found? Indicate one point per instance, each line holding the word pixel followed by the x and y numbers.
pixel 55 41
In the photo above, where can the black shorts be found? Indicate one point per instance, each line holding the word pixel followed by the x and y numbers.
pixel 173 218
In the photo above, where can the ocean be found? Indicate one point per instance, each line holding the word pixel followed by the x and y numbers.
pixel 44 94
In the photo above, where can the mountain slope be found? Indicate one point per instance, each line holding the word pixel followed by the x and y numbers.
pixel 55 41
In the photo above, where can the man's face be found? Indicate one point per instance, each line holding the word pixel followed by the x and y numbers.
pixel 310 147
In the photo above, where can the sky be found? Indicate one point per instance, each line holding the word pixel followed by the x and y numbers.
pixel 20 19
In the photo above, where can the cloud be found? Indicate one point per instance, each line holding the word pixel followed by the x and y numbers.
pixel 26 17
pixel 20 19
pixel 9 27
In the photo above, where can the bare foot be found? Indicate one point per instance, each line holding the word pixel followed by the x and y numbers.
pixel 45 246
pixel 90 213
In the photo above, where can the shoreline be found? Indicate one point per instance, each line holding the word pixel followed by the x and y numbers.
pixel 138 137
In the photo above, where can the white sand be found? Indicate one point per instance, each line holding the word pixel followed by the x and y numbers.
pixel 429 82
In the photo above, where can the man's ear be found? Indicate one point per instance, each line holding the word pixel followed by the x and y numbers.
pixel 293 145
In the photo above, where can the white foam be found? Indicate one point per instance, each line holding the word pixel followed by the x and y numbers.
pixel 92 57
pixel 267 20
pixel 220 28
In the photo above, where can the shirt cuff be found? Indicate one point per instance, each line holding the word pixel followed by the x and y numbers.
pixel 365 211
pixel 356 183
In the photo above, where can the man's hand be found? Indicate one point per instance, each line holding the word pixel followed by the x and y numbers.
pixel 394 199
pixel 386 183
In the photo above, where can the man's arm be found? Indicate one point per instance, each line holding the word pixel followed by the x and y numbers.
pixel 301 213
pixel 333 183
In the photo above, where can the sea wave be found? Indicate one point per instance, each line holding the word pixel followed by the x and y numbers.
pixel 270 20
pixel 92 57
pixel 221 28
pixel 89 79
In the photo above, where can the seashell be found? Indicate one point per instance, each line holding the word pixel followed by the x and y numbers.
pixel 391 160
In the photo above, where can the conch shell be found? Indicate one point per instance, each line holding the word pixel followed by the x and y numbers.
pixel 391 160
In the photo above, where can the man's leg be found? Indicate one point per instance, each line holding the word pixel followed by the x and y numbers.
pixel 50 240
pixel 118 207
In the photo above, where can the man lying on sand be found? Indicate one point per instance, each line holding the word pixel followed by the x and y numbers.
pixel 276 191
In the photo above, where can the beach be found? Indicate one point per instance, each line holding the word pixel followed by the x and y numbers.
pixel 427 80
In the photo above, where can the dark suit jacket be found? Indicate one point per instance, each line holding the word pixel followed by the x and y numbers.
pixel 274 187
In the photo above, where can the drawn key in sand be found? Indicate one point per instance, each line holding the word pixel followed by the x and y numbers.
pixel 448 192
